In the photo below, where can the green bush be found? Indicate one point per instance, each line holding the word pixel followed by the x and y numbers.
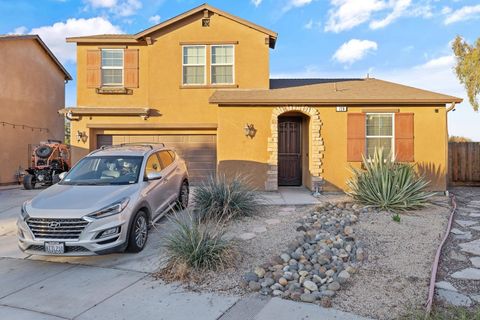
pixel 221 199
pixel 385 184
pixel 192 246
pixel 451 313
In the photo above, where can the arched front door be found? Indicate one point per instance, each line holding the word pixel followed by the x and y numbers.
pixel 289 151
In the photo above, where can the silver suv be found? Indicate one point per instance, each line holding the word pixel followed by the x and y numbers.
pixel 105 203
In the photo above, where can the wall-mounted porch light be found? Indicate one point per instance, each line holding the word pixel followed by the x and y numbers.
pixel 81 136
pixel 249 130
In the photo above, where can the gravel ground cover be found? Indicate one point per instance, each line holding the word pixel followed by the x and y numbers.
pixel 391 280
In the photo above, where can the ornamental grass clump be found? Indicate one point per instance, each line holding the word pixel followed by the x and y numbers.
pixel 388 185
pixel 193 247
pixel 222 199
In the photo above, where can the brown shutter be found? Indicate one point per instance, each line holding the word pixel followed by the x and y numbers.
pixel 130 62
pixel 404 145
pixel 355 136
pixel 93 68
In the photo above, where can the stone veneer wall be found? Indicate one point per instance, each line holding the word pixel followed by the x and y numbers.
pixel 315 160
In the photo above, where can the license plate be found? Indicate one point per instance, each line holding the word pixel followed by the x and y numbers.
pixel 55 247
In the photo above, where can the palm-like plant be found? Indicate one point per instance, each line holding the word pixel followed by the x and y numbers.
pixel 388 185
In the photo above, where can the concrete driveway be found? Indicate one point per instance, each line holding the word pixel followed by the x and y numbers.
pixel 117 286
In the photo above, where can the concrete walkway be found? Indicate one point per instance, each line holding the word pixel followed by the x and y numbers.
pixel 297 196
pixel 117 286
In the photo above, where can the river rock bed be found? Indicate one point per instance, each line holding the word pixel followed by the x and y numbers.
pixel 318 262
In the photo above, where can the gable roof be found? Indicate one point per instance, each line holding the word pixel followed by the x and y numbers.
pixel 43 45
pixel 142 34
pixel 331 91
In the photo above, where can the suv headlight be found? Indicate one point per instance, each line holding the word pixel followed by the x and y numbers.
pixel 23 211
pixel 114 208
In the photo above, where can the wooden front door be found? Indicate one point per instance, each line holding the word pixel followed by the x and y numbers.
pixel 289 151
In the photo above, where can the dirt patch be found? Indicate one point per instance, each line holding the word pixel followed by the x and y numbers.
pixel 395 278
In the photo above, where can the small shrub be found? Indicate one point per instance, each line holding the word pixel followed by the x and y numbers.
pixel 388 185
pixel 220 199
pixel 451 313
pixel 396 218
pixel 193 246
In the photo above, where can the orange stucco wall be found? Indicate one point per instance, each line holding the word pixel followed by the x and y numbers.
pixel 251 155
pixel 32 91
pixel 160 76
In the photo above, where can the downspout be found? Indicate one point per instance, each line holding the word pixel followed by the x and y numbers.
pixel 452 107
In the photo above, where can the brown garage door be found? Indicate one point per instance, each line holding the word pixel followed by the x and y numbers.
pixel 199 151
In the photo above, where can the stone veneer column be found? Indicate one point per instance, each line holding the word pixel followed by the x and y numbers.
pixel 315 160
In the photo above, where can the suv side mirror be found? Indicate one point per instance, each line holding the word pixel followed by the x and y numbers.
pixel 62 175
pixel 153 175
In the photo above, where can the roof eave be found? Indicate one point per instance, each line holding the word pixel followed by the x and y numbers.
pixel 101 40
pixel 332 102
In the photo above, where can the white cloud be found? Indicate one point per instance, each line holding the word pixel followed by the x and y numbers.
pixel 122 8
pixel 354 50
pixel 19 30
pixel 291 4
pixel 154 19
pixel 256 3
pixel 347 14
pixel 441 62
pixel 446 10
pixel 398 10
pixel 311 24
pixel 54 35
pixel 463 14
pixel 102 3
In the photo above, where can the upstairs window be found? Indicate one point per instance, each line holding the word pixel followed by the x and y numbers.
pixel 379 133
pixel 194 64
pixel 112 67
pixel 222 63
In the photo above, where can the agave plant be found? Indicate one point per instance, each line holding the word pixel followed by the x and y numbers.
pixel 222 199
pixel 193 246
pixel 385 184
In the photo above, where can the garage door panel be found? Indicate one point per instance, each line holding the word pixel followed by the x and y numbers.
pixel 198 151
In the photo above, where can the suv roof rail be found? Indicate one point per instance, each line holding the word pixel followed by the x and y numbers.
pixel 143 144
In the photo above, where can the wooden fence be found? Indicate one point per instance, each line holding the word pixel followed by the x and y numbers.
pixel 464 163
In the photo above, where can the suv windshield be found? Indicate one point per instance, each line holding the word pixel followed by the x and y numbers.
pixel 106 170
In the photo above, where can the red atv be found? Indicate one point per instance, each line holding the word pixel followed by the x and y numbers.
pixel 48 161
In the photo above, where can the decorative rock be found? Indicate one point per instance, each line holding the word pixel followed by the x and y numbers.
pixel 246 236
pixel 259 271
pixel 277 293
pixel 454 298
pixel 343 276
pixel 254 286
pixel 445 285
pixel 457 231
pixel 476 297
pixel 307 297
pixel 360 254
pixel 468 274
pixel 330 273
pixel 267 282
pixel 334 286
pixel 283 281
pixel 285 257
pixel 477 228
pixel 465 236
pixel 328 293
pixel 310 285
pixel 250 276
pixel 348 230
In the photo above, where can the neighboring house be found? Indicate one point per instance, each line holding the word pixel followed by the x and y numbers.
pixel 200 82
pixel 32 85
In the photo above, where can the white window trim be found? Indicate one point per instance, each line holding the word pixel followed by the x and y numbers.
pixel 393 131
pixel 195 65
pixel 113 68
pixel 222 64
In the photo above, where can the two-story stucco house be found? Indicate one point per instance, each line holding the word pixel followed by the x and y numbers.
pixel 200 82
pixel 32 83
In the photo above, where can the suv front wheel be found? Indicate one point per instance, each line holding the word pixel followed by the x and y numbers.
pixel 138 232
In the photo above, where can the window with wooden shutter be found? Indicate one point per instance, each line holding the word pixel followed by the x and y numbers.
pixel 93 68
pixel 355 136
pixel 404 137
pixel 131 68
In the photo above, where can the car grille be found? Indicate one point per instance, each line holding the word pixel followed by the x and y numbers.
pixel 67 248
pixel 43 228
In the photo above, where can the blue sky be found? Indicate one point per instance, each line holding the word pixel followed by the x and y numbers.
pixel 406 41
